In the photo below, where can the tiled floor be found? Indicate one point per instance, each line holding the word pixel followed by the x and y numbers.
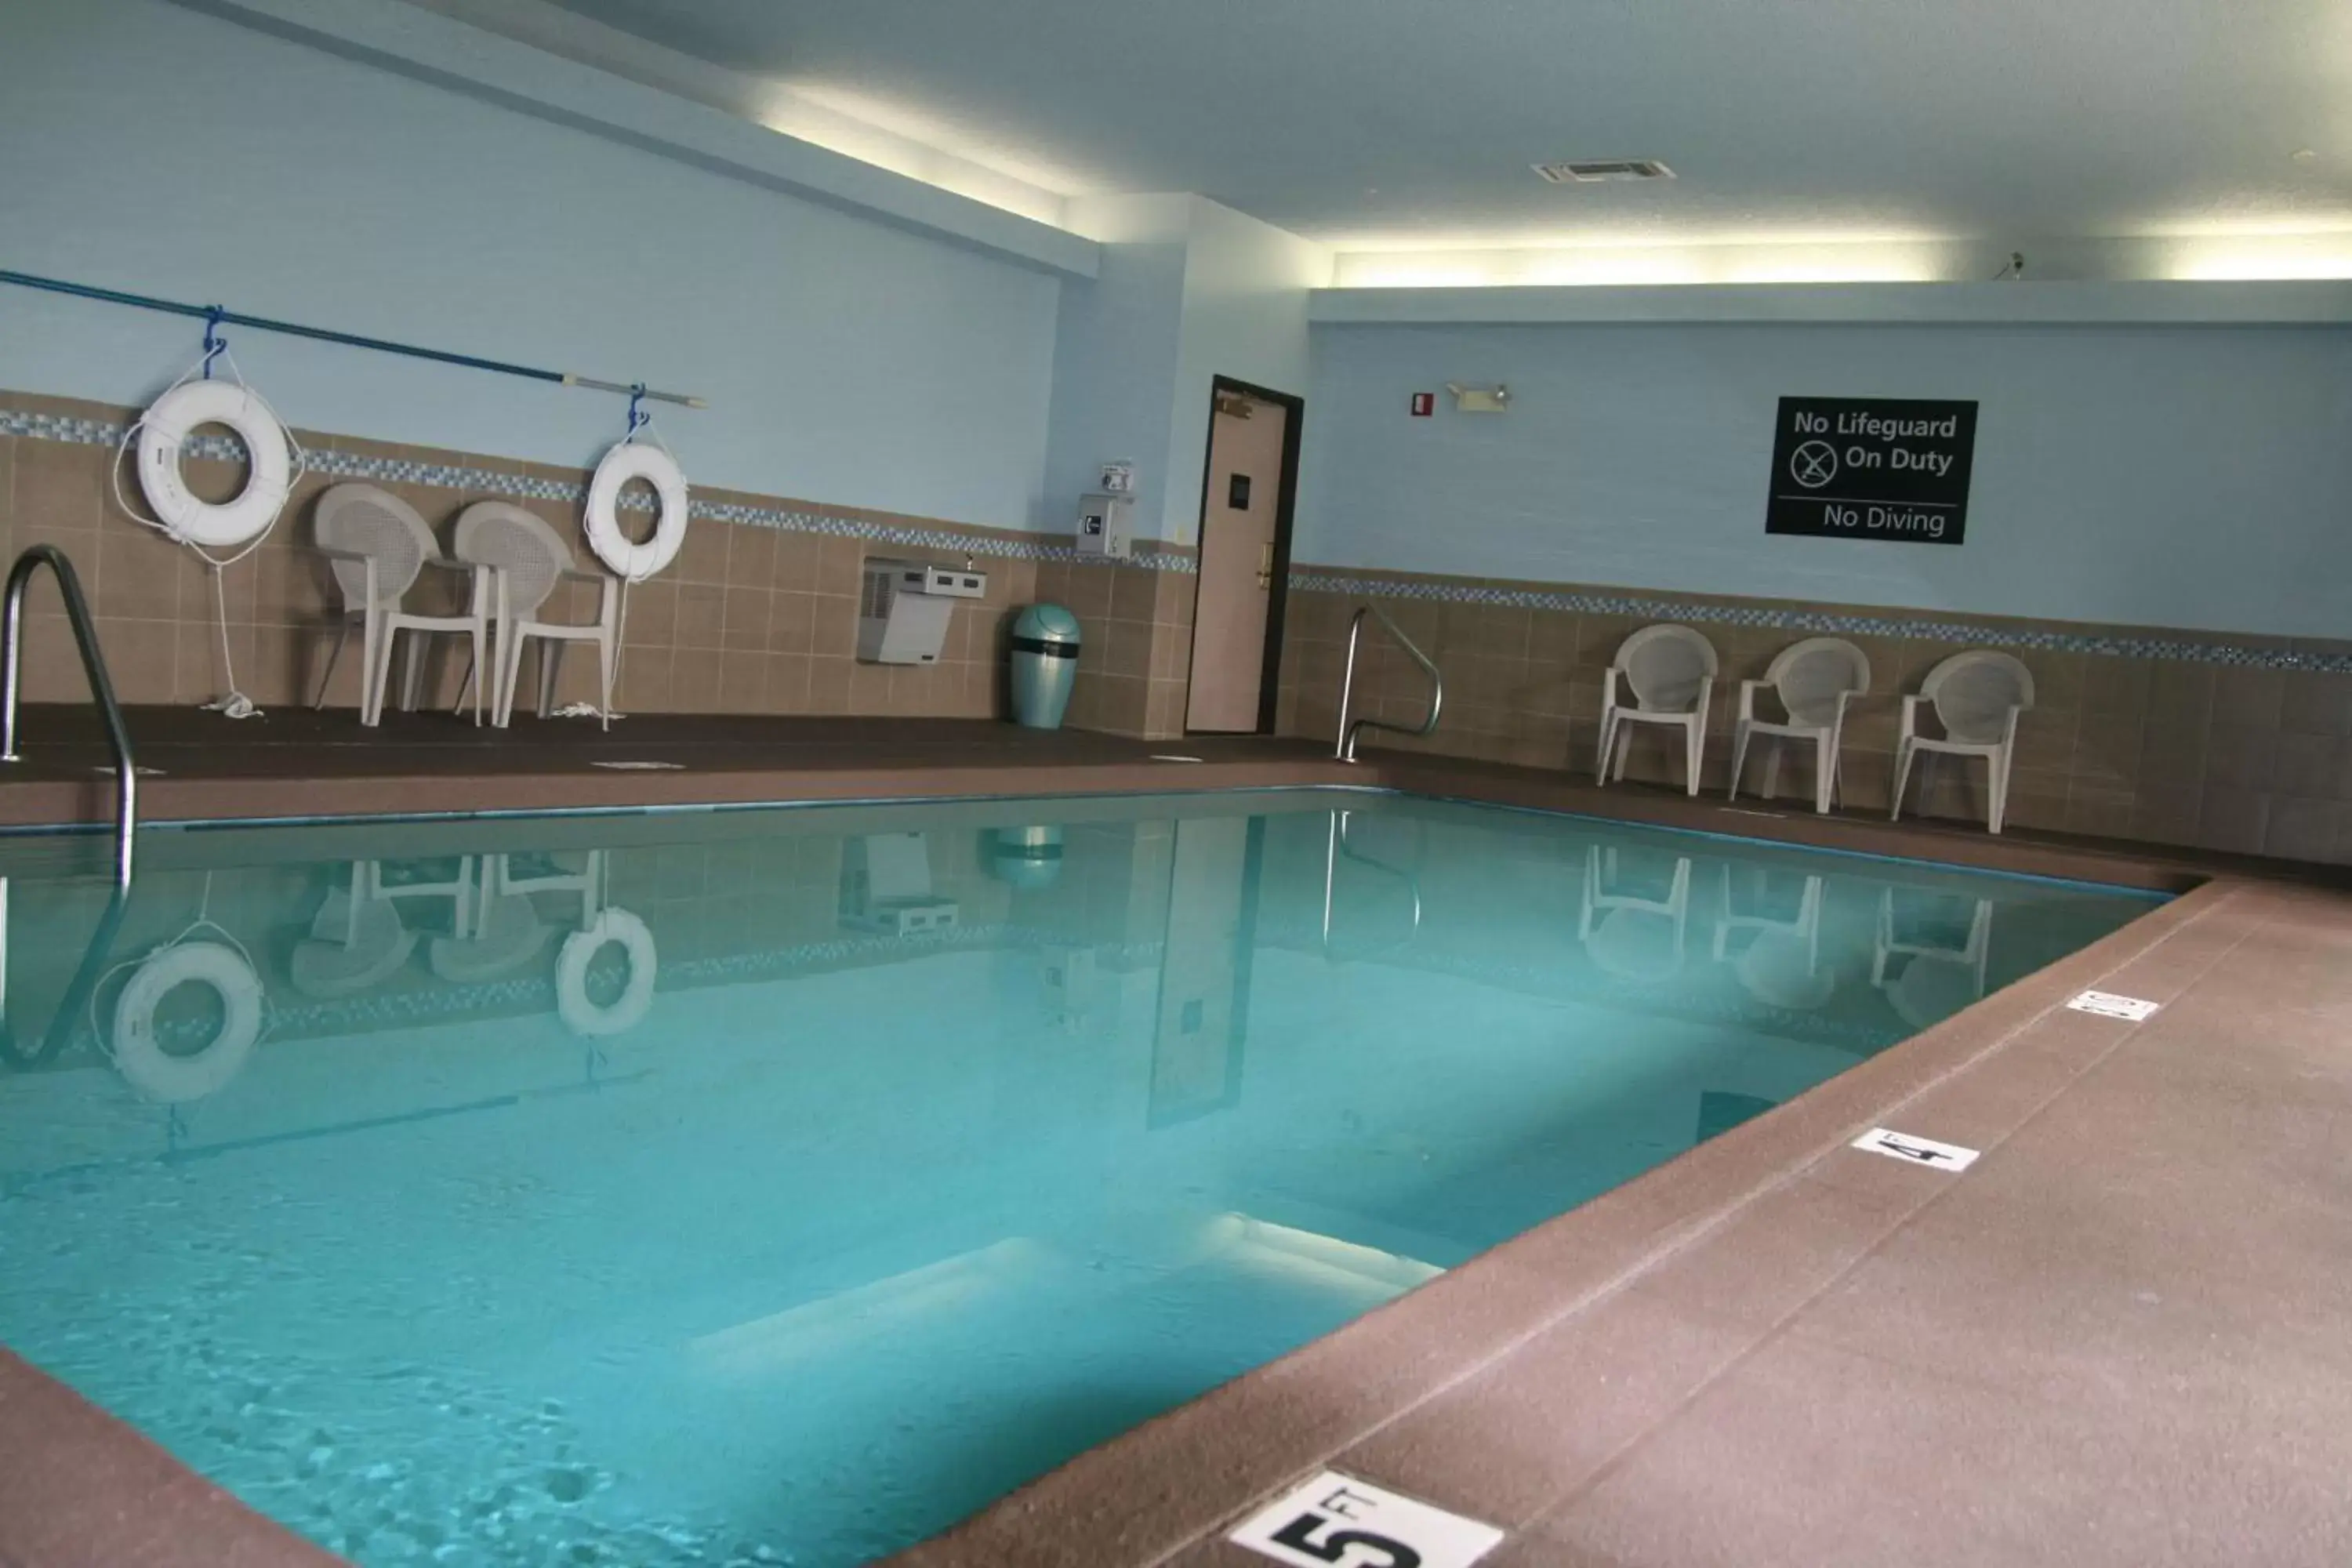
pixel 2118 1337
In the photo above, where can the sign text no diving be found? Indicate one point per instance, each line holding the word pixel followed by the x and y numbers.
pixel 1846 468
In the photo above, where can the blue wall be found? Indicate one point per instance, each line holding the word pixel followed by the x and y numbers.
pixel 2190 477
pixel 158 150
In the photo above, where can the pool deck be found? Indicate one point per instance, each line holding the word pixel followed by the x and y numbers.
pixel 2117 1337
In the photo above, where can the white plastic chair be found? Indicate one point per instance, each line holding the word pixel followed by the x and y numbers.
pixel 1632 937
pixel 1815 680
pixel 377 547
pixel 355 943
pixel 1669 671
pixel 1978 697
pixel 508 932
pixel 528 559
pixel 1935 980
pixel 1781 965
pixel 549 876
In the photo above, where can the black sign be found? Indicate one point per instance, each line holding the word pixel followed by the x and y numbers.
pixel 1875 467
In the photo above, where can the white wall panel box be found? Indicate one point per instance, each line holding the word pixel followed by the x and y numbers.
pixel 1106 526
pixel 904 608
pixel 886 886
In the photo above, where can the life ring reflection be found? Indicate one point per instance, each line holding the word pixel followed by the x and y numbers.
pixel 581 1013
pixel 177 1077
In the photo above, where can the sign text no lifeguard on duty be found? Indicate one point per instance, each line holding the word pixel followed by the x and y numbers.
pixel 1879 468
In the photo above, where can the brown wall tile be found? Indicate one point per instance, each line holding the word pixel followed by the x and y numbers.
pixel 56 485
pixel 2164 750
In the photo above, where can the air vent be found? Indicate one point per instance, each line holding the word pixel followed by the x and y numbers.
pixel 1604 169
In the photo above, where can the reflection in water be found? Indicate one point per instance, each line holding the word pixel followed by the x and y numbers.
pixel 1778 949
pixel 1028 858
pixel 886 886
pixel 1203 1014
pixel 904 1157
pixel 1340 848
pixel 494 916
pixel 218 964
pixel 1070 981
pixel 508 930
pixel 1633 919
pixel 1930 966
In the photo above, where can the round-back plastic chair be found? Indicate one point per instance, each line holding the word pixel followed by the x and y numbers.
pixel 1669 671
pixel 1632 936
pixel 1815 680
pixel 377 547
pixel 1978 697
pixel 529 560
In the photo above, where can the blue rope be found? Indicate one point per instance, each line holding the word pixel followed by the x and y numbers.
pixel 638 417
pixel 214 344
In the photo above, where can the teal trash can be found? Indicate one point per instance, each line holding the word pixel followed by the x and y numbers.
pixel 1044 664
pixel 1028 858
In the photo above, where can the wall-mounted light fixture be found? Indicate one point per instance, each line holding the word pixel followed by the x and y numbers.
pixel 1496 399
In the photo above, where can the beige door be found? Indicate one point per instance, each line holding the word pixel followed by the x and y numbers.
pixel 1236 562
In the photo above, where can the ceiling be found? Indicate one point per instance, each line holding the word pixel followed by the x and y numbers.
pixel 1411 123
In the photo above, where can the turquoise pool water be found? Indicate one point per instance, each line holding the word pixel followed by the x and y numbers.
pixel 781 1186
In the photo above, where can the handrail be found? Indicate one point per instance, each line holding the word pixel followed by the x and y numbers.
pixel 93 664
pixel 75 1005
pixel 1346 749
pixel 1337 846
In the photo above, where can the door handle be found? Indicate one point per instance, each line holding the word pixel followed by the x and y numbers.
pixel 1266 566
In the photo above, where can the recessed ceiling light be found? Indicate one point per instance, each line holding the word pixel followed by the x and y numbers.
pixel 1600 170
pixel 2304 155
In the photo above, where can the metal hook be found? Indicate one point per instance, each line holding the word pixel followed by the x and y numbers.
pixel 214 344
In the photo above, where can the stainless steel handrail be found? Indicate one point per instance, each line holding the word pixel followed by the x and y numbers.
pixel 1337 846
pixel 93 665
pixel 1346 749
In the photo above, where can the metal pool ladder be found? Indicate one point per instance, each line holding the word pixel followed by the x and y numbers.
pixel 1346 749
pixel 93 665
pixel 1335 848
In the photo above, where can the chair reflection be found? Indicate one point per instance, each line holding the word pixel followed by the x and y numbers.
pixel 508 931
pixel 1778 953
pixel 358 939
pixel 487 905
pixel 1631 933
pixel 1927 981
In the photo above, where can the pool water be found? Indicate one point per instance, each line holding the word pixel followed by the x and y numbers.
pixel 781 1186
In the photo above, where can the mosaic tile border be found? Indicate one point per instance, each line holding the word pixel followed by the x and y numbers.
pixel 1821 622
pixel 375 469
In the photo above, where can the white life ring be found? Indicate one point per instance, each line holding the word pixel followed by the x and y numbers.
pixel 580 1014
pixel 220 525
pixel 155 1072
pixel 636 460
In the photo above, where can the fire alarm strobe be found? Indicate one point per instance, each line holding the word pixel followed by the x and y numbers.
pixel 1425 403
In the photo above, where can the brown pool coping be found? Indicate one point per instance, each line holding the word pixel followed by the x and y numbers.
pixel 2117 1338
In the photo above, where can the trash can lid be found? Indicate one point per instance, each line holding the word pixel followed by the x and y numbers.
pixel 1047 623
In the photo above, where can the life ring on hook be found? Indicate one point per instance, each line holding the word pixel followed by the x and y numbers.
pixel 625 556
pixel 140 1058
pixel 582 1016
pixel 219 525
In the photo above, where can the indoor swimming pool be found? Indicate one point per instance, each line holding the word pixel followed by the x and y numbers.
pixel 781 1186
